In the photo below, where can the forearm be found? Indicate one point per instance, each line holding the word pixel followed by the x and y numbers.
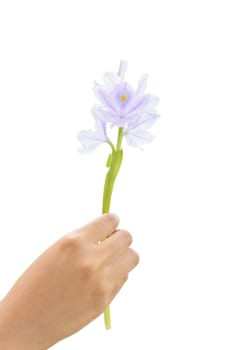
pixel 15 331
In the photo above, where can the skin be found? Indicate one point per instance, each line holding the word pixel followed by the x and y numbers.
pixel 68 286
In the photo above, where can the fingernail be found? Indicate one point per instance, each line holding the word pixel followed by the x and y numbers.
pixel 116 217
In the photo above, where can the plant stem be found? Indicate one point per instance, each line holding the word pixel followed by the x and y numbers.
pixel 114 164
pixel 119 139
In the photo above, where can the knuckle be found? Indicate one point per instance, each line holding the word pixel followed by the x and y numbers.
pixel 70 245
pixel 87 269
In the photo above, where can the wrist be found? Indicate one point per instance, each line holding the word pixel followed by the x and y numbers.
pixel 15 332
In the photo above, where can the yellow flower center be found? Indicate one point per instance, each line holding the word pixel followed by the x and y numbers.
pixel 123 97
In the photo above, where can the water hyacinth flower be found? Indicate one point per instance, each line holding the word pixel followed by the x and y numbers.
pixel 121 106
pixel 132 113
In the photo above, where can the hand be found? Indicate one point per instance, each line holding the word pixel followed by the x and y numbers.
pixel 67 287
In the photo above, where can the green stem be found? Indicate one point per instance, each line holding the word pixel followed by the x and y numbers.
pixel 120 137
pixel 114 164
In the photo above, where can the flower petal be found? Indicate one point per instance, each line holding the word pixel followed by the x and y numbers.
pixel 122 69
pixel 137 104
pixel 100 124
pixel 111 80
pixel 145 121
pixel 105 98
pixel 152 103
pixel 90 139
pixel 104 114
pixel 142 84
pixel 136 137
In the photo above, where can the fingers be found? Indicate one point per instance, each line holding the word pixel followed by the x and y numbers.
pixel 116 245
pixel 126 263
pixel 98 229
pixel 119 270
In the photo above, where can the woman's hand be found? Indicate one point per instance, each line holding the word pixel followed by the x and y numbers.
pixel 67 287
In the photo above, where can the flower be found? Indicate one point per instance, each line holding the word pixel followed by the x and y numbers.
pixel 123 107
pixel 121 104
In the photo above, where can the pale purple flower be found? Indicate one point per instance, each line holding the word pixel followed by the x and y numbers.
pixel 120 103
pixel 121 106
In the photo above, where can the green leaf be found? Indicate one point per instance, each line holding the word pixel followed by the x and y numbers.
pixel 109 161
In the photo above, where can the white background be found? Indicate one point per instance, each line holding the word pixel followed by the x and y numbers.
pixel 176 197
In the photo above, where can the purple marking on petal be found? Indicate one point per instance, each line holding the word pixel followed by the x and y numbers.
pixel 122 96
pixel 107 100
pixel 137 104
